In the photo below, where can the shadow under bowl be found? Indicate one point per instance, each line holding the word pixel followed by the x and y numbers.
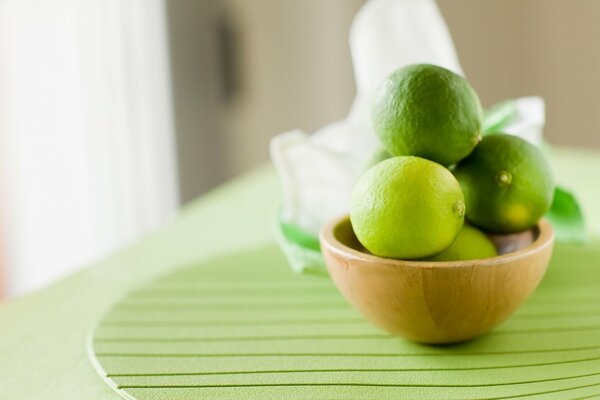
pixel 437 301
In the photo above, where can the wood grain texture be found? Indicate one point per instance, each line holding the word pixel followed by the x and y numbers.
pixel 435 302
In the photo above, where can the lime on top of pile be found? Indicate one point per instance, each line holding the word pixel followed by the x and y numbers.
pixel 427 111
pixel 471 244
pixel 407 208
pixel 507 183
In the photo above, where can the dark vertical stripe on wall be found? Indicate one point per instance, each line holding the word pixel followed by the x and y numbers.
pixel 195 36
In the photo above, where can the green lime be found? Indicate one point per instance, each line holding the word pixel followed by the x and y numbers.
pixel 471 244
pixel 407 208
pixel 427 111
pixel 508 184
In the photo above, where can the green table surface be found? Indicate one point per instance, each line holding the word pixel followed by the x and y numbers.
pixel 43 336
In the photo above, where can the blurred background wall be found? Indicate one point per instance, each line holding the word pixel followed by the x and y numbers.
pixel 190 92
pixel 245 70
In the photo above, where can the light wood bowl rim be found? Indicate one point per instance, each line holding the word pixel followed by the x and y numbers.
pixel 327 238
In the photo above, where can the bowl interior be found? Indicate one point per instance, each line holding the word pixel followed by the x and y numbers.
pixel 505 244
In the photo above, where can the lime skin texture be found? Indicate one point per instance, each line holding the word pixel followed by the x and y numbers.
pixel 507 183
pixel 471 244
pixel 427 111
pixel 407 208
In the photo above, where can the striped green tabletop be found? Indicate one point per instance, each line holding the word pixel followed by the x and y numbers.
pixel 244 327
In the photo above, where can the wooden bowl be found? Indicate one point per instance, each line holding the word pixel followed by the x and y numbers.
pixel 437 302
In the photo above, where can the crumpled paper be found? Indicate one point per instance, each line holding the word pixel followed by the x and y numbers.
pixel 318 171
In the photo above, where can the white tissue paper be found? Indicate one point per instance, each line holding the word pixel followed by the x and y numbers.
pixel 528 120
pixel 318 171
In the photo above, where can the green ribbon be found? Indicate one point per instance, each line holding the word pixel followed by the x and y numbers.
pixel 295 234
